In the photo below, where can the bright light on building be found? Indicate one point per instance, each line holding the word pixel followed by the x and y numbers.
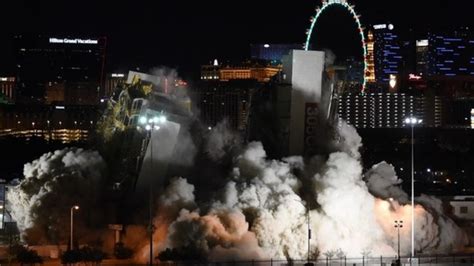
pixel 59 107
pixel 422 43
pixel 393 81
pixel 73 41
pixel 142 120
pixel 414 77
pixel 380 26
pixel 266 45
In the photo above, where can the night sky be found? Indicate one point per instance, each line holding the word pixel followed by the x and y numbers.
pixel 185 34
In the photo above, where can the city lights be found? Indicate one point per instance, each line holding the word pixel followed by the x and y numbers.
pixel 152 122
pixel 248 145
pixel 393 81
pixel 73 41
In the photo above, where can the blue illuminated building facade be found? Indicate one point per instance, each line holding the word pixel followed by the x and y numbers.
pixel 451 54
pixel 387 53
pixel 272 52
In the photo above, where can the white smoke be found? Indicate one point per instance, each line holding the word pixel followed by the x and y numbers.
pixel 383 182
pixel 221 141
pixel 51 185
pixel 179 194
pixel 348 140
pixel 346 219
pixel 260 213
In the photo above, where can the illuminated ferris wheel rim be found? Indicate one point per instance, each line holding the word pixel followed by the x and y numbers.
pixel 350 8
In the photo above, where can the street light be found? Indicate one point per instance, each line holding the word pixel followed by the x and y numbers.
pixel 309 229
pixel 309 235
pixel 398 225
pixel 413 121
pixel 150 125
pixel 75 207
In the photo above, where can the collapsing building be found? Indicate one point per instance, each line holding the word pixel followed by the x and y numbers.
pixel 300 104
pixel 145 106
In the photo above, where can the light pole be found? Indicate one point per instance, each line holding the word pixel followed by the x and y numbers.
pixel 309 234
pixel 398 225
pixel 151 124
pixel 309 229
pixel 75 207
pixel 412 121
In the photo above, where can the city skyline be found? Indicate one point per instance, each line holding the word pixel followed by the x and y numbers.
pixel 184 35
pixel 230 133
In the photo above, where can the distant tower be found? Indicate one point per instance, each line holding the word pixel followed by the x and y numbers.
pixel 370 74
pixel 387 53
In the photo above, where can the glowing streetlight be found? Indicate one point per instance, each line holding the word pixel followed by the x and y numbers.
pixel 75 207
pixel 398 225
pixel 162 119
pixel 413 121
pixel 150 125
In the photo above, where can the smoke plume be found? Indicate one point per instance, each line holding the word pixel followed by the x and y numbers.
pixel 41 202
pixel 260 213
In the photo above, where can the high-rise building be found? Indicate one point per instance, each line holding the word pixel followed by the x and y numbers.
pixel 7 89
pixel 112 81
pixel 370 75
pixel 231 100
pixel 433 110
pixel 389 110
pixel 46 61
pixel 210 72
pixel 272 52
pixel 450 54
pixel 387 49
pixel 354 71
pixel 303 71
pixel 376 110
pixel 245 70
pixel 422 57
